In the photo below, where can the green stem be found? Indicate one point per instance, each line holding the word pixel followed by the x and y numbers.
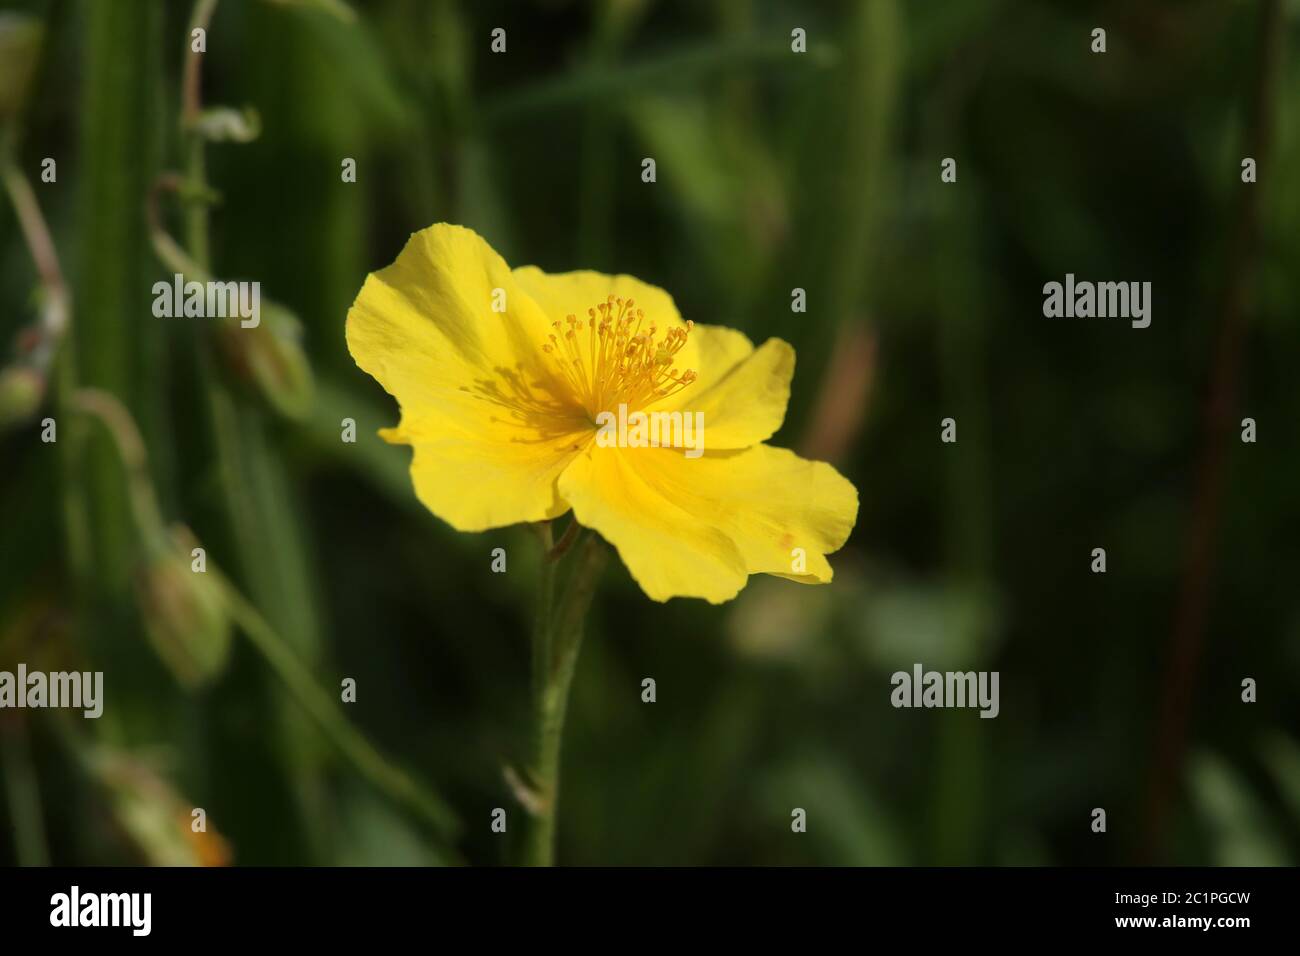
pixel 54 315
pixel 350 741
pixel 267 543
pixel 56 350
pixel 118 345
pixel 196 212
pixel 23 791
pixel 76 517
pixel 196 207
pixel 545 603
pixel 556 642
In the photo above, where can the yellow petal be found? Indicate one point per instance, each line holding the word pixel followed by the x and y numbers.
pixel 429 317
pixel 480 481
pixel 573 293
pixel 741 391
pixel 668 551
pixel 680 524
pixel 772 504
pixel 490 426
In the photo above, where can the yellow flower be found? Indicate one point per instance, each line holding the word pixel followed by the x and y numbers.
pixel 502 377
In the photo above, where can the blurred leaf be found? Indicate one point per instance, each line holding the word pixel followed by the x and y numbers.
pixel 373 834
pixel 385 466
pixel 681 66
pixel 1241 829
pixel 732 202
pixel 846 822
pixel 1282 757
pixel 334 8
pixel 778 619
pixel 479 198
pixel 377 102
pixel 943 627
pixel 682 136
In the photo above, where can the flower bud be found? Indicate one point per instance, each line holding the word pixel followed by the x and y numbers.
pixel 269 356
pixel 221 124
pixel 160 823
pixel 21 391
pixel 184 611
pixel 20 48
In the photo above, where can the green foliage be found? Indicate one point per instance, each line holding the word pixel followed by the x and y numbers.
pixel 776 170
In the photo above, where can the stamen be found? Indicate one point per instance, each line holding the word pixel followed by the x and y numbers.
pixel 617 362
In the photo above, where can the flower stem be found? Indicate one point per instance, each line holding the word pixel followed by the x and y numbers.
pixel 556 641
pixel 130 446
pixel 269 559
pixel 196 211
pixel 55 349
pixel 22 786
pixel 54 315
pixel 1186 647
pixel 297 678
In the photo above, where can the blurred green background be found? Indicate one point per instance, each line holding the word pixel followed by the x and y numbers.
pixel 776 171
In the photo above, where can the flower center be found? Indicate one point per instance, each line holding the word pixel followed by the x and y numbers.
pixel 615 360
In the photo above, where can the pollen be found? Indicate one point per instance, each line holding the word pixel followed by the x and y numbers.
pixel 614 357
